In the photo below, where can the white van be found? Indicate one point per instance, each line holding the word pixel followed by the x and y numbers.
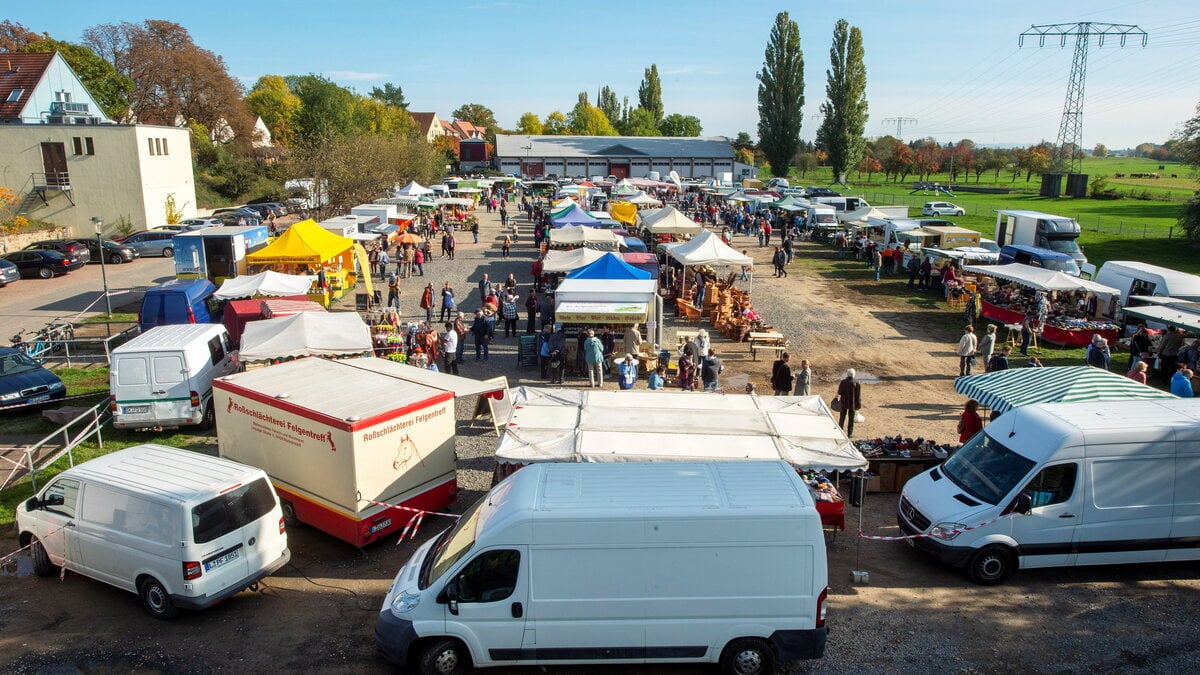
pixel 1062 484
pixel 1138 278
pixel 181 529
pixel 618 563
pixel 163 377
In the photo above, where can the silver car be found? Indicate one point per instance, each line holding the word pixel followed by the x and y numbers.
pixel 938 209
pixel 152 243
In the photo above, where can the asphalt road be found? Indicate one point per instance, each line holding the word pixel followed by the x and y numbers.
pixel 29 304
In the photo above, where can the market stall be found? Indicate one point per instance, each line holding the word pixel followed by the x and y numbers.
pixel 1182 315
pixel 669 221
pixel 237 313
pixel 570 259
pixel 562 425
pixel 609 266
pixel 308 248
pixel 573 214
pixel 413 189
pixel 1004 390
pixel 706 250
pixel 1057 302
pixel 573 236
pixel 305 334
pixel 584 303
pixel 643 261
pixel 264 284
pixel 624 212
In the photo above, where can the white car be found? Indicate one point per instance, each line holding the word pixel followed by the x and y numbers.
pixel 941 209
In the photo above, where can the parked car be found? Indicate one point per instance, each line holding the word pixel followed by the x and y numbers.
pixel 238 216
pixel 114 252
pixel 939 209
pixel 71 248
pixel 264 211
pixel 278 208
pixel 40 262
pixel 24 380
pixel 177 227
pixel 191 224
pixel 8 273
pixel 1035 256
pixel 152 242
pixel 814 191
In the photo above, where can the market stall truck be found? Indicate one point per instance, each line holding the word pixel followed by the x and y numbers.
pixel 342 443
pixel 1033 228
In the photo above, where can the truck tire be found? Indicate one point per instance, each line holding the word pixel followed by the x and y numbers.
pixel 210 417
pixel 991 565
pixel 156 600
pixel 289 513
pixel 748 656
pixel 445 657
pixel 42 566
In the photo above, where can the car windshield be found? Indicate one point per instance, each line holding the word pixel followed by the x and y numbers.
pixel 12 364
pixel 990 246
pixel 1064 266
pixel 451 546
pixel 986 469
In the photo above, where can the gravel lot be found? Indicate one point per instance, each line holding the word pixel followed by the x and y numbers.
pixel 915 616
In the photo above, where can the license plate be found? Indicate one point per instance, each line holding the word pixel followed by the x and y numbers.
pixel 381 525
pixel 217 562
pixel 40 399
pixel 135 409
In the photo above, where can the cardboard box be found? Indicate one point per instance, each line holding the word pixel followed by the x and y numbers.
pixel 885 480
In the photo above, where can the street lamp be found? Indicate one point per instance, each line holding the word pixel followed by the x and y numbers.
pixel 103 271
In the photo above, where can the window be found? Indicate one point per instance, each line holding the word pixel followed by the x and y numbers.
pixel 15 95
pixel 164 147
pixel 1052 485
pixel 231 511
pixel 62 497
pixel 83 145
pixel 216 349
pixel 130 514
pixel 62 96
pixel 133 371
pixel 491 577
pixel 89 145
pixel 77 144
pixel 158 146
pixel 168 369
pixel 150 142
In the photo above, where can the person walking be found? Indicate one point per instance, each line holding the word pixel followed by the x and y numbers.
pixel 427 302
pixel 779 259
pixel 804 379
pixel 781 375
pixel 687 370
pixel 710 370
pixel 543 347
pixel 1168 351
pixel 1000 360
pixel 419 261
pixel 558 355
pixel 393 299
pixel 383 262
pixel 505 246
pixel 1139 346
pixel 531 310
pixel 876 262
pixel 987 346
pixel 451 243
pixel 969 423
pixel 968 344
pixel 849 394
pixel 593 358
pixel 1026 333
pixel 508 312
pixel 460 327
pixel 484 330
pixel 914 270
pixel 633 340
pixel 449 307
pixel 450 349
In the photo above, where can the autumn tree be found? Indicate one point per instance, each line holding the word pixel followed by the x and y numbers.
pixel 639 122
pixel 173 77
pixel 650 94
pixel 609 104
pixel 1101 150
pixel 845 111
pixel 372 116
pixel 1036 160
pixel 1187 140
pixel 781 95
pixel 869 166
pixel 680 125
pixel 529 124
pixel 390 94
pixel 273 101
pixel 586 119
pixel 359 167
pixel 556 124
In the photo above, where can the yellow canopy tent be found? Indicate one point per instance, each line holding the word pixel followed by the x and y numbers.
pixel 623 212
pixel 308 244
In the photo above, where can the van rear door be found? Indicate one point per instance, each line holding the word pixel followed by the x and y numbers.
pixel 232 533
pixel 131 388
pixel 170 393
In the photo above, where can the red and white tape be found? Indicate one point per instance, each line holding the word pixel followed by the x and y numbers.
pixel 955 532
pixel 414 523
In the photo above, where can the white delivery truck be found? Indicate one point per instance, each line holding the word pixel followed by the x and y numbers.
pixel 1134 278
pixel 618 563
pixel 1034 228
pixel 1063 484
pixel 179 528
pixel 343 440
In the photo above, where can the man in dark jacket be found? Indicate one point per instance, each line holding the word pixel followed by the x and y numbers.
pixel 850 396
pixel 710 368
pixel 484 329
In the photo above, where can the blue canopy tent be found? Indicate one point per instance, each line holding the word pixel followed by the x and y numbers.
pixel 573 216
pixel 609 266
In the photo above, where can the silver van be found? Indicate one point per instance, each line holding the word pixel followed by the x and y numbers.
pixel 163 377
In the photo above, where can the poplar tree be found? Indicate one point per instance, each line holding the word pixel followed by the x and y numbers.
pixel 650 94
pixel 781 95
pixel 841 130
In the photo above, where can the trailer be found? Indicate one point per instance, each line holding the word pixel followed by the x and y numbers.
pixel 216 253
pixel 355 448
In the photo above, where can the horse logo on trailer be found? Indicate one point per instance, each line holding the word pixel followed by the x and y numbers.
pixel 405 453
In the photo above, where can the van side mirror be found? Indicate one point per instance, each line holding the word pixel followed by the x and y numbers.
pixel 449 596
pixel 33 504
pixel 1022 505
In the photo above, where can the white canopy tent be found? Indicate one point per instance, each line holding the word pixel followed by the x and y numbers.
pixel 639 198
pixel 669 221
pixel 579 235
pixel 565 261
pixel 413 189
pixel 707 248
pixel 453 201
pixel 603 301
pixel 560 425
pixel 306 334
pixel 272 284
pixel 1041 279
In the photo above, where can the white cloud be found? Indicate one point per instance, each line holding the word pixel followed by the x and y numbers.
pixel 354 75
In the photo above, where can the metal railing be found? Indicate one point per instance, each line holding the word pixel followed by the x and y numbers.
pixel 59 343
pixel 89 423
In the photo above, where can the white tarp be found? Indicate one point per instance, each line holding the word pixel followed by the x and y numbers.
pixel 580 235
pixel 639 198
pixel 306 334
pixel 1041 279
pixel 453 201
pixel 707 248
pixel 459 386
pixel 565 261
pixel 669 221
pixel 273 284
pixel 561 425
pixel 606 290
pixel 413 189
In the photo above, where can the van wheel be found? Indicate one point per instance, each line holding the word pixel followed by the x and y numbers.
pixel 991 565
pixel 445 657
pixel 168 252
pixel 210 417
pixel 289 513
pixel 748 656
pixel 41 560
pixel 156 600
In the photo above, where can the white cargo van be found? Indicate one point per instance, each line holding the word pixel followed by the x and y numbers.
pixel 1138 278
pixel 180 529
pixel 618 563
pixel 163 377
pixel 1061 484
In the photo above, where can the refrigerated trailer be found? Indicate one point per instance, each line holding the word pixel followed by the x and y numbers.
pixel 354 447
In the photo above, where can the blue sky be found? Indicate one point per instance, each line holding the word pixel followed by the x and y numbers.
pixel 955 67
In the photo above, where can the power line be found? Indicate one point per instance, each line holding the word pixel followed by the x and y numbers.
pixel 900 122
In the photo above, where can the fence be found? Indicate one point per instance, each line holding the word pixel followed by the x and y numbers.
pixel 86 425
pixel 73 344
pixel 1090 223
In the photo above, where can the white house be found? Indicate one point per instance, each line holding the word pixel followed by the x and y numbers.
pixel 68 162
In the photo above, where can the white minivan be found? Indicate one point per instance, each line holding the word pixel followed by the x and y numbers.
pixel 1062 484
pixel 179 528
pixel 163 377
pixel 618 563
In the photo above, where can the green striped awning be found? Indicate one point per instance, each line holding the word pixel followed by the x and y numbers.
pixel 1004 390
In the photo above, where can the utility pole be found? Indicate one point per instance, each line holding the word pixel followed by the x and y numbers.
pixel 1070 129
pixel 900 122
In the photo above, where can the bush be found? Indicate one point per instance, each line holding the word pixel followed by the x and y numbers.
pixel 1189 218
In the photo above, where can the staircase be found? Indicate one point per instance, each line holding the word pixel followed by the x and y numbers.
pixel 28 201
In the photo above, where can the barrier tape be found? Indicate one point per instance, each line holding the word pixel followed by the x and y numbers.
pixel 414 523
pixel 52 401
pixel 62 566
pixel 956 532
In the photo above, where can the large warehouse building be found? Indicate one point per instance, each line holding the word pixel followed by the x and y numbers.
pixel 620 156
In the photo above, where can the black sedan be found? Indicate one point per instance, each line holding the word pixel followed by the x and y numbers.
pixel 114 253
pixel 25 381
pixel 42 263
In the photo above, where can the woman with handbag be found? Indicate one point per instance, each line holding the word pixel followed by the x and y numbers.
pixel 848 401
